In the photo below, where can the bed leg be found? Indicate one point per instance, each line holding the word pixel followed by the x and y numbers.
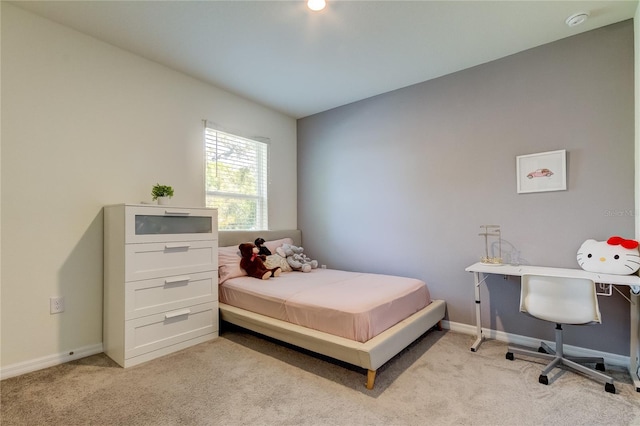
pixel 439 326
pixel 371 377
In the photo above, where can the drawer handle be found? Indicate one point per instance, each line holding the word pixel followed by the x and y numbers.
pixel 177 280
pixel 179 313
pixel 176 246
pixel 176 213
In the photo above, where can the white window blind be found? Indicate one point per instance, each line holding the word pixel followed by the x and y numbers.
pixel 236 180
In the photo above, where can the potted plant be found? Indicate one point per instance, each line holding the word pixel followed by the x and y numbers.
pixel 162 193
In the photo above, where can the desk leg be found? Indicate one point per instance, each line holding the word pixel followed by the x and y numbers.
pixel 480 337
pixel 634 350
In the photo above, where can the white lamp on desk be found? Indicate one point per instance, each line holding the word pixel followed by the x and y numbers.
pixel 491 231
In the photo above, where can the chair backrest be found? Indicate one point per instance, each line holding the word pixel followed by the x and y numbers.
pixel 560 299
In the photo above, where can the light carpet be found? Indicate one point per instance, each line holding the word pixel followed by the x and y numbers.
pixel 244 379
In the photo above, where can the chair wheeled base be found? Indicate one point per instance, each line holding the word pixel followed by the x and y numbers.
pixel 558 358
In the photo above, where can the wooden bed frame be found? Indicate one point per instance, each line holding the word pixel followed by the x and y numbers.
pixel 371 354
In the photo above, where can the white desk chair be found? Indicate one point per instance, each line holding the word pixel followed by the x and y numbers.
pixel 563 301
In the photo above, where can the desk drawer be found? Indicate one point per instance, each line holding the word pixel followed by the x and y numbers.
pixel 153 260
pixel 150 333
pixel 159 295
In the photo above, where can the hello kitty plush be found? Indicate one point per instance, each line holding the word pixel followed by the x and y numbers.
pixel 615 256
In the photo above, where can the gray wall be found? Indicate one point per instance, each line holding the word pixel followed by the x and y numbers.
pixel 400 183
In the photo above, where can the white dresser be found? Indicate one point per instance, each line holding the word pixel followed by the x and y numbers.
pixel 160 280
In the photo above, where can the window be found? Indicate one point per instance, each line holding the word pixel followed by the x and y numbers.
pixel 236 180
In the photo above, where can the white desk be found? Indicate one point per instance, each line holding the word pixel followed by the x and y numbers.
pixel 480 270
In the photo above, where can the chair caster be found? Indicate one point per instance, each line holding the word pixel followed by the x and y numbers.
pixel 509 356
pixel 609 387
pixel 544 380
pixel 600 366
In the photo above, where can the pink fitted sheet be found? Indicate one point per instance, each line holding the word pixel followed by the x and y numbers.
pixel 353 305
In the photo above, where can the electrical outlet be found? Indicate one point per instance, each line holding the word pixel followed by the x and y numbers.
pixel 56 305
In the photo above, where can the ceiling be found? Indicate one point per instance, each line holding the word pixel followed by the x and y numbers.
pixel 282 55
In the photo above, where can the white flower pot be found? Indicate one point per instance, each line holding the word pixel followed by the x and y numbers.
pixel 163 201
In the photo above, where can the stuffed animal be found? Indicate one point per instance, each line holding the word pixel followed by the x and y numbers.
pixel 253 264
pixel 296 258
pixel 615 256
pixel 262 249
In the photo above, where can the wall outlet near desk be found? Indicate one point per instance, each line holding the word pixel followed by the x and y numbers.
pixel 56 305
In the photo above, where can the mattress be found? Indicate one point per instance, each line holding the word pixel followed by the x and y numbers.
pixel 354 305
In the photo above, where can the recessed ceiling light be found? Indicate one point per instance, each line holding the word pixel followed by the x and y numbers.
pixel 577 19
pixel 316 5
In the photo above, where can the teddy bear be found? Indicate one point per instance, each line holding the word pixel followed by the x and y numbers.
pixel 253 263
pixel 616 256
pixel 296 258
pixel 262 249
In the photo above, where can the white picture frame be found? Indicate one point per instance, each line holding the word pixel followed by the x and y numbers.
pixel 541 172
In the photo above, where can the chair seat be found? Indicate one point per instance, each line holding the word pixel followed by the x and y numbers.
pixel 572 318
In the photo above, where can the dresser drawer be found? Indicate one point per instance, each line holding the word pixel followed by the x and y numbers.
pixel 158 295
pixel 150 333
pixel 153 260
pixel 148 224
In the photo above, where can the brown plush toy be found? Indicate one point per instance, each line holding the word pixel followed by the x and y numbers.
pixel 253 264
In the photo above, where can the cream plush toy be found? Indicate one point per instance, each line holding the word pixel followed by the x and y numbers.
pixel 615 256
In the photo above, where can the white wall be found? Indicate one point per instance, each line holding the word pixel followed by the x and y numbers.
pixel 636 28
pixel 0 189
pixel 86 124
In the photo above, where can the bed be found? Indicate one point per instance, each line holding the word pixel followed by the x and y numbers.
pixel 366 335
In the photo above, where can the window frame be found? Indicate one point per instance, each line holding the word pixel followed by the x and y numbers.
pixel 261 150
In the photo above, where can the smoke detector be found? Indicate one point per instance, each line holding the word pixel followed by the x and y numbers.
pixel 576 19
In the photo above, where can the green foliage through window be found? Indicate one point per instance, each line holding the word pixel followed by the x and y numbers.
pixel 236 180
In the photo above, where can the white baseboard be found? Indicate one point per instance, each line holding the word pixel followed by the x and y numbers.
pixel 48 361
pixel 57 359
pixel 515 339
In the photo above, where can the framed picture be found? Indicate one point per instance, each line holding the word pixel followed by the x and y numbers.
pixel 545 171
